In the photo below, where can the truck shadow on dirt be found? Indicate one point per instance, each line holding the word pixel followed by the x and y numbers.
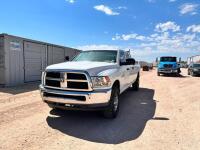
pixel 136 108
pixel 174 75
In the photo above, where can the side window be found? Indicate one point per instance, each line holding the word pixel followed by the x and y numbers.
pixel 122 56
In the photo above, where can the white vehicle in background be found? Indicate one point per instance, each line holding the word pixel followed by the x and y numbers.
pixel 93 80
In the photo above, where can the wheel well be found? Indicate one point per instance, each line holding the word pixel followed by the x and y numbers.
pixel 138 75
pixel 116 84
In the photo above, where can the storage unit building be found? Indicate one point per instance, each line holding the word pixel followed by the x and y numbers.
pixel 195 59
pixel 23 60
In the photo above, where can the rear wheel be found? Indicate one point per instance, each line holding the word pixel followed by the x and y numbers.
pixel 188 73
pixel 177 74
pixel 192 73
pixel 113 109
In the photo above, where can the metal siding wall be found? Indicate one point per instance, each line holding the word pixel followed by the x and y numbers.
pixel 49 55
pixel 35 60
pixel 55 55
pixel 71 52
pixel 13 61
pixel 58 55
pixel 2 61
pixel 20 60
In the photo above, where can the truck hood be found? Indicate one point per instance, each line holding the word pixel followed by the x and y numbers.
pixel 93 68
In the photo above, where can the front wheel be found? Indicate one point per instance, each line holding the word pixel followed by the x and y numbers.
pixel 192 73
pixel 113 109
pixel 158 73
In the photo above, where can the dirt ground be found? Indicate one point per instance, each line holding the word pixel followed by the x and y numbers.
pixel 163 114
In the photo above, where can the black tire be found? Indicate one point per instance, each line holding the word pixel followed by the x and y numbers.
pixel 113 109
pixel 188 73
pixel 136 84
pixel 158 73
pixel 192 73
pixel 53 107
pixel 179 70
pixel 177 74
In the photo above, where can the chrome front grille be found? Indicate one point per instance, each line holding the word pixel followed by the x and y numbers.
pixel 76 81
pixel 168 65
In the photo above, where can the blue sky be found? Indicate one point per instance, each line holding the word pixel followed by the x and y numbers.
pixel 150 28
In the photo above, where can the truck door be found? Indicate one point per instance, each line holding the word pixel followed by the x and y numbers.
pixel 132 71
pixel 124 71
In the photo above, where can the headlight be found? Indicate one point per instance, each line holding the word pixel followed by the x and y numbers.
pixel 101 82
pixel 175 66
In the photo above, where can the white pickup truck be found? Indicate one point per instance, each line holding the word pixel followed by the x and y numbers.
pixel 93 80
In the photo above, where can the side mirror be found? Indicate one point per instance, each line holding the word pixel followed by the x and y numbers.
pixel 66 58
pixel 130 61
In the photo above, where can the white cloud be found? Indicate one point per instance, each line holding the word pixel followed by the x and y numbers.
pixel 70 1
pixel 172 0
pixel 163 27
pixel 98 47
pixel 151 1
pixel 140 37
pixel 106 10
pixel 193 28
pixel 188 8
pixel 156 44
pixel 122 7
pixel 126 37
pixel 116 37
pixel 161 43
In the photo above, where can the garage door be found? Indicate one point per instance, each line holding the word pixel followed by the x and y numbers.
pixel 55 55
pixel 35 56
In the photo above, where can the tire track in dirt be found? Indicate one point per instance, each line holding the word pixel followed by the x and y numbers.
pixel 23 100
pixel 20 112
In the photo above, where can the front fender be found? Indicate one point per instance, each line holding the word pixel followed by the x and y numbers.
pixel 108 72
pixel 113 74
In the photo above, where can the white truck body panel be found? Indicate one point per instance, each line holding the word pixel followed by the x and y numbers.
pixel 125 74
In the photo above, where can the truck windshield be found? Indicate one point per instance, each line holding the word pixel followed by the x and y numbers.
pixel 168 59
pixel 97 55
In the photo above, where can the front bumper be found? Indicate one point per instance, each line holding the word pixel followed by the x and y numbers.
pixel 168 71
pixel 197 72
pixel 92 99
